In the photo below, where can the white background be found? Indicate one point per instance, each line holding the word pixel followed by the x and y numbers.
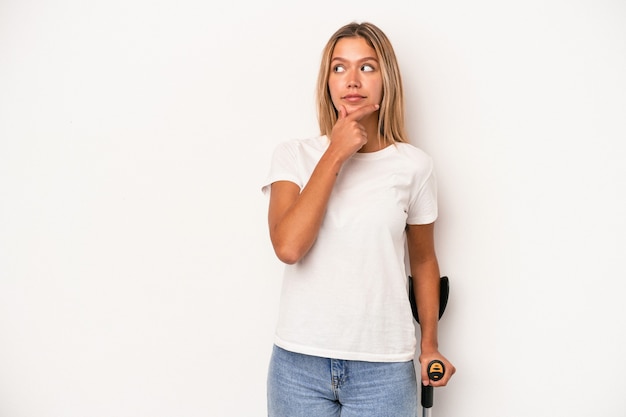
pixel 136 273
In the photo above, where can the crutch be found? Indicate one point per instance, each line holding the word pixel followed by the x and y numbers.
pixel 435 369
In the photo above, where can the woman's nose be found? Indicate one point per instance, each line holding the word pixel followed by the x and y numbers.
pixel 354 81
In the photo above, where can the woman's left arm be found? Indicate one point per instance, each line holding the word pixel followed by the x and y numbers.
pixel 426 280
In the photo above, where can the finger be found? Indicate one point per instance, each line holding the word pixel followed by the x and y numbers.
pixel 450 370
pixel 425 379
pixel 342 112
pixel 361 112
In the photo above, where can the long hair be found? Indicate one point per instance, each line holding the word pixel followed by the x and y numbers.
pixel 391 114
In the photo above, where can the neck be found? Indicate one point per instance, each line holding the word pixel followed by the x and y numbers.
pixel 374 143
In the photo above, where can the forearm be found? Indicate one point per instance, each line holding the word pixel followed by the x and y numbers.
pixel 296 229
pixel 426 287
pixel 426 281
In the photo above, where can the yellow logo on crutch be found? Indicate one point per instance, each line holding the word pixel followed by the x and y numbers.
pixel 435 370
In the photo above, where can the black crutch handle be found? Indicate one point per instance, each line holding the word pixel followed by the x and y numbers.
pixel 436 371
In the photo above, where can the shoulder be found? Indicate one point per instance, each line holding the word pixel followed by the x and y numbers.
pixel 414 156
pixel 411 151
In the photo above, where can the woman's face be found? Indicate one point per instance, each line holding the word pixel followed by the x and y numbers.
pixel 355 79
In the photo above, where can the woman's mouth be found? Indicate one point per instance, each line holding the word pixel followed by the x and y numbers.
pixel 353 98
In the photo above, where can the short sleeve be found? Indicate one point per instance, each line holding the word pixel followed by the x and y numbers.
pixel 423 204
pixel 283 166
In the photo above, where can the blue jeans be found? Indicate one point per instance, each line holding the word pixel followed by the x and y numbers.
pixel 308 386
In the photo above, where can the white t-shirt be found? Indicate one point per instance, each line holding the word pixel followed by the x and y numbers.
pixel 347 298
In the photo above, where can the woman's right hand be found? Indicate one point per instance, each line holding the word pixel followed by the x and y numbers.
pixel 348 134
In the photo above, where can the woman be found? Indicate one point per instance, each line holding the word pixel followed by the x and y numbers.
pixel 344 208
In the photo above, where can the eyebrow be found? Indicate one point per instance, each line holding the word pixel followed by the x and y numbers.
pixel 369 58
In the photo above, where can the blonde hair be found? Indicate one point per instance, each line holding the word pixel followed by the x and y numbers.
pixel 391 115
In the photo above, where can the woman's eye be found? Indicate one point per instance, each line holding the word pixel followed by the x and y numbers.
pixel 338 68
pixel 367 68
